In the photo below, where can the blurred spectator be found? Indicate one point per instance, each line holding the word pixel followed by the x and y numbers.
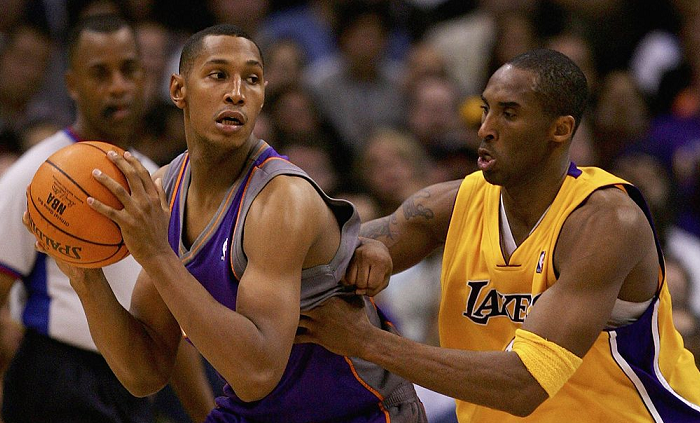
pixel 24 62
pixel 163 133
pixel 657 53
pixel 76 10
pixel 601 21
pixel 583 151
pixel 393 165
pixel 360 90
pixel 423 61
pixel 514 35
pixel 433 115
pixel 674 135
pixel 284 65
pixel 246 14
pixel 312 25
pixel 620 117
pixel 142 10
pixel 467 41
pixel 314 160
pixel 12 13
pixel 263 128
pixel 154 40
pixel 296 120
pixel 578 49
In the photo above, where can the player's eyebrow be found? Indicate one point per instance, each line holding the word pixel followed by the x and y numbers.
pixel 503 104
pixel 217 61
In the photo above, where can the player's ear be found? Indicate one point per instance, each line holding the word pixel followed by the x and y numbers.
pixel 177 90
pixel 563 128
pixel 70 81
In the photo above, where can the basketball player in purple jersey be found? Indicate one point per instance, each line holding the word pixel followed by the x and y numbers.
pixel 234 241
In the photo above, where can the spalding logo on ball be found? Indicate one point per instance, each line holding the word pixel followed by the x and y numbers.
pixel 59 215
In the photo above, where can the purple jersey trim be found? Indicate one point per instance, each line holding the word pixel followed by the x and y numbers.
pixel 635 348
pixel 36 311
pixel 573 170
pixel 72 134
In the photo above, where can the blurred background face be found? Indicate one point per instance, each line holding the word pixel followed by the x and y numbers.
pixel 154 42
pixel 23 65
pixel 433 110
pixel 363 44
pixel 246 14
pixel 106 81
pixel 284 65
pixel 294 115
pixel 393 166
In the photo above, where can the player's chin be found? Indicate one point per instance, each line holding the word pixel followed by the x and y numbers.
pixel 492 177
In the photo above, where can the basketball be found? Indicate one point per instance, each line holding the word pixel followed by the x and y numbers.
pixel 59 215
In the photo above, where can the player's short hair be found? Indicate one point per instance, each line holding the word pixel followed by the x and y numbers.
pixel 193 46
pixel 560 84
pixel 105 24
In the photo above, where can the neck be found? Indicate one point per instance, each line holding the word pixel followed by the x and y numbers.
pixel 526 203
pixel 214 171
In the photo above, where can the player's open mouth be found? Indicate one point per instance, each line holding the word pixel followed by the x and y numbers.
pixel 231 118
pixel 230 121
pixel 485 161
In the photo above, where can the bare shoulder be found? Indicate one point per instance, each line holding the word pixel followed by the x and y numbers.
pixel 290 189
pixel 291 198
pixel 291 215
pixel 610 206
pixel 608 222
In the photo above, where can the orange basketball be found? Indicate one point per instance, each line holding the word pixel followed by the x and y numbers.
pixel 59 215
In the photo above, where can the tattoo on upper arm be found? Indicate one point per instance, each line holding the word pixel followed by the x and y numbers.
pixel 380 228
pixel 412 209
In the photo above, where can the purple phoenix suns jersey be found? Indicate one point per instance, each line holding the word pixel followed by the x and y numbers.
pixel 317 386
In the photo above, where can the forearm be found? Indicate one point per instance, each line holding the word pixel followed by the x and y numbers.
pixel 232 343
pixel 190 383
pixel 495 379
pixel 135 357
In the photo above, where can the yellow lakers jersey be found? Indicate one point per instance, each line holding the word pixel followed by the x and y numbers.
pixel 637 373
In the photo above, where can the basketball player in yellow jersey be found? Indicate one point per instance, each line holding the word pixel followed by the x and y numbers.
pixel 554 302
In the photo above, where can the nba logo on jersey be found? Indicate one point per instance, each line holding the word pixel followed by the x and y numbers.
pixel 223 250
pixel 540 263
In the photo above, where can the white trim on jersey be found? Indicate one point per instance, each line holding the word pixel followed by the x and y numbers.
pixel 627 369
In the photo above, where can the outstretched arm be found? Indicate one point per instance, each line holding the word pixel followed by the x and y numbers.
pixel 605 246
pixel 418 226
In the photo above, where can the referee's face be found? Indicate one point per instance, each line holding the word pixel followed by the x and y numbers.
pixel 106 80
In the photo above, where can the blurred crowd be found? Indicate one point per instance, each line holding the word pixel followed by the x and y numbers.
pixel 378 98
